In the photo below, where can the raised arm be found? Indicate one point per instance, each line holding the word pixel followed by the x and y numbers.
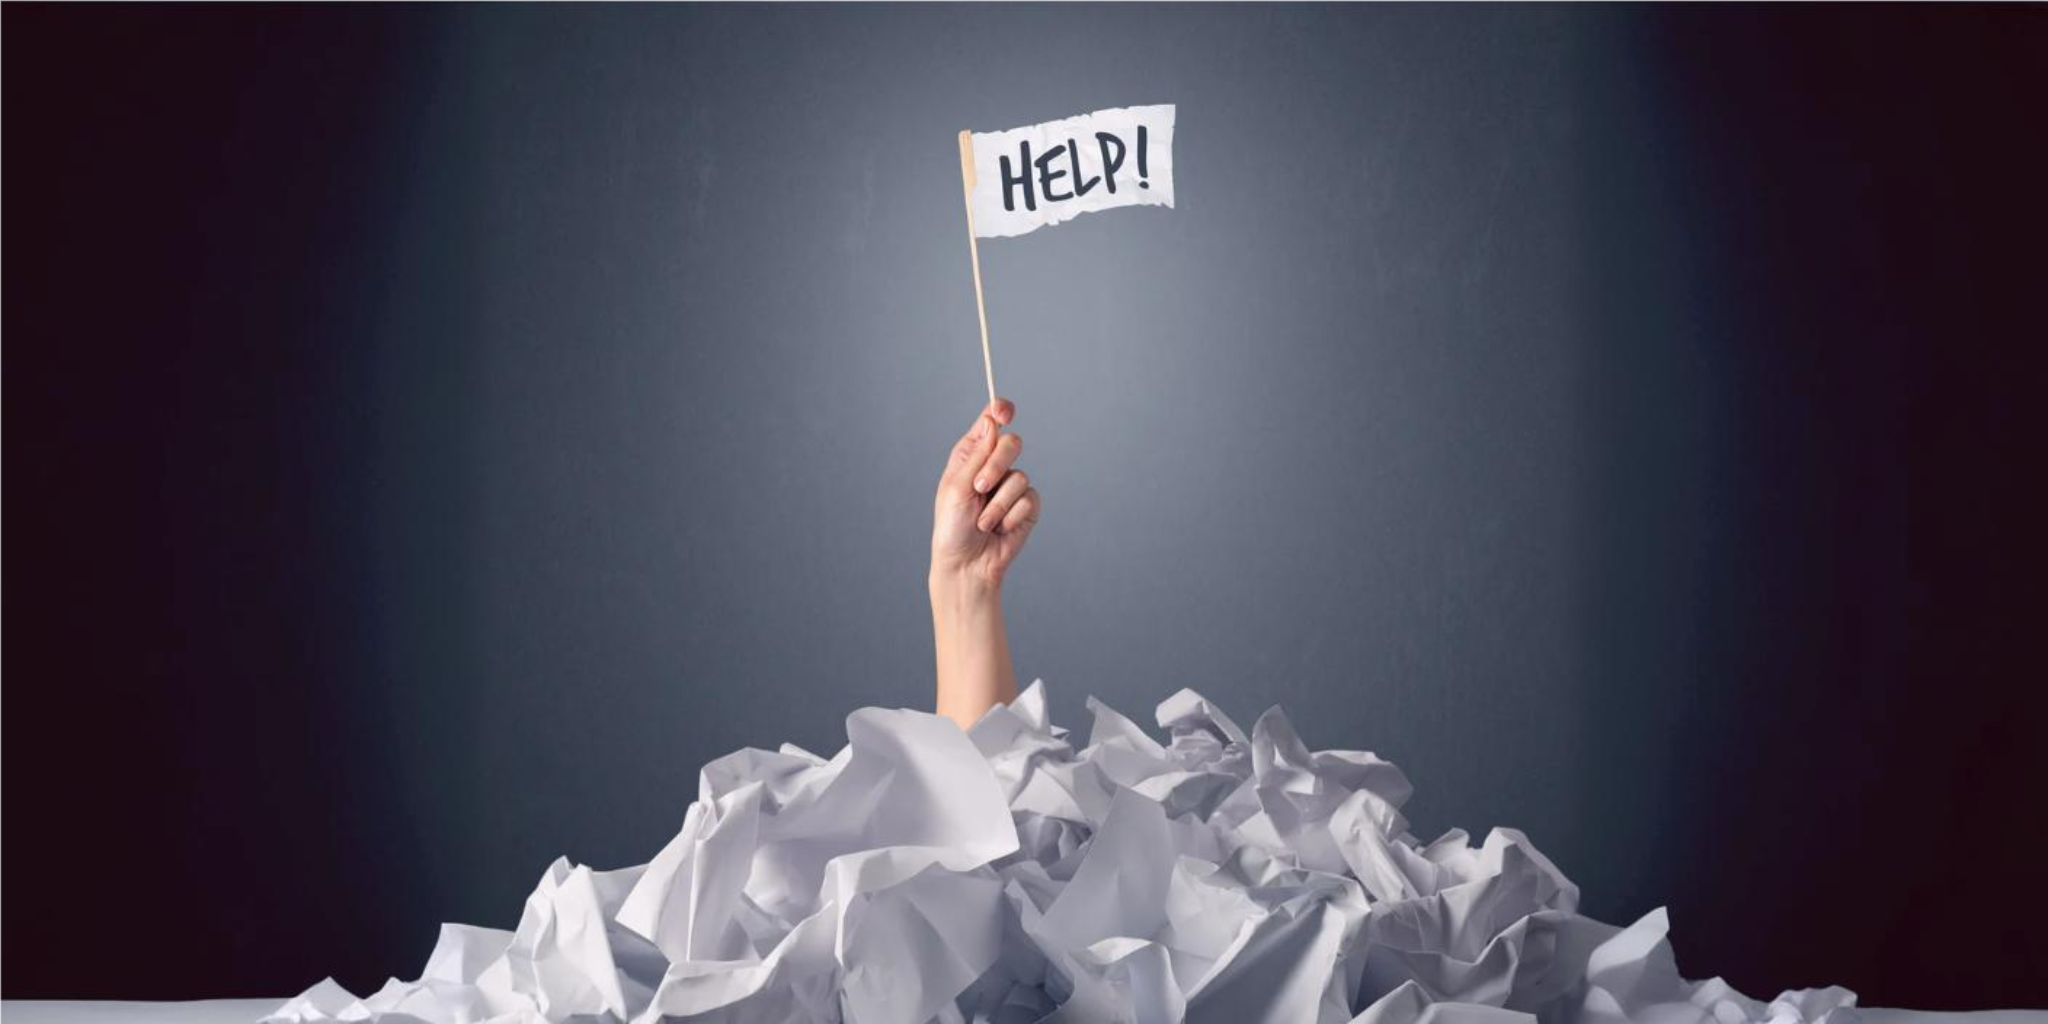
pixel 984 512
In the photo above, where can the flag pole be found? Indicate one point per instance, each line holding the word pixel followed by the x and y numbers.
pixel 988 366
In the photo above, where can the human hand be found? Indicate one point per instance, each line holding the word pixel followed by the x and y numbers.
pixel 985 508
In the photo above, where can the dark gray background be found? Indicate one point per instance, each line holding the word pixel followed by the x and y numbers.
pixel 433 433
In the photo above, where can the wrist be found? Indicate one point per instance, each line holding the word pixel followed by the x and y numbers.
pixel 961 588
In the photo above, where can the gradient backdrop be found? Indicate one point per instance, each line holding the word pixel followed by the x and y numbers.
pixel 433 433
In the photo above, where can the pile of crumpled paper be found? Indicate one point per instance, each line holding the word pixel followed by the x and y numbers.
pixel 999 875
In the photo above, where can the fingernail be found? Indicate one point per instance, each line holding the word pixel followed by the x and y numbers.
pixel 980 484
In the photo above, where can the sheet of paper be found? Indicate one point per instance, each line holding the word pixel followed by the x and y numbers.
pixel 1026 178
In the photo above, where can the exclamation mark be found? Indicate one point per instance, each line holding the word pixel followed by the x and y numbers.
pixel 1142 150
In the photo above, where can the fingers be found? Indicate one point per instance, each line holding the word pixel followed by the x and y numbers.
pixel 1002 500
pixel 972 450
pixel 1024 514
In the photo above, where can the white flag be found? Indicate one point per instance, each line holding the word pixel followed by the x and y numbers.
pixel 1027 178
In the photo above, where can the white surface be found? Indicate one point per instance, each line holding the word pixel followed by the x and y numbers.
pixel 244 1011
pixel 203 1011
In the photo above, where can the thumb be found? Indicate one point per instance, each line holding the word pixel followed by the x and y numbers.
pixel 973 447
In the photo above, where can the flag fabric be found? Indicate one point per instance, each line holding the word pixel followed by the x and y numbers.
pixel 1026 178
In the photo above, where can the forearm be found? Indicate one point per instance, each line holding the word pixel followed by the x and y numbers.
pixel 973 647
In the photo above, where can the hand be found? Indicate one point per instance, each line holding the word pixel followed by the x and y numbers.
pixel 986 508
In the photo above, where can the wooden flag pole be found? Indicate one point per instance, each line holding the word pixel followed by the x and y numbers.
pixel 988 366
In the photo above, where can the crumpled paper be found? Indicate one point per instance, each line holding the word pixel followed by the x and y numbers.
pixel 1000 876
